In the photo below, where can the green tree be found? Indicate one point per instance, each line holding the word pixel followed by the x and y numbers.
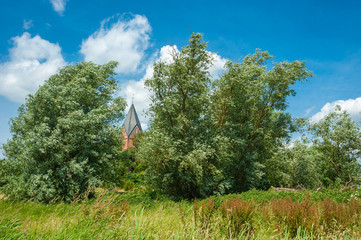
pixel 305 168
pixel 294 166
pixel 248 107
pixel 178 148
pixel 278 169
pixel 338 138
pixel 65 138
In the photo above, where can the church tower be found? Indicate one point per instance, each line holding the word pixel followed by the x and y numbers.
pixel 130 127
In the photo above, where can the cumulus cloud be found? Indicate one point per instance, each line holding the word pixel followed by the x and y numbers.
pixel 27 24
pixel 125 41
pixel 59 6
pixel 218 66
pixel 32 60
pixel 352 106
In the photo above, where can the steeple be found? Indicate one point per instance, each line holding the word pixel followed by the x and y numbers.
pixel 131 128
pixel 131 121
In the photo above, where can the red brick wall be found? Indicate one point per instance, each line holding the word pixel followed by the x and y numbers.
pixel 128 141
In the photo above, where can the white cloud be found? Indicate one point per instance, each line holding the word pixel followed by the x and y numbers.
pixel 31 62
pixel 59 6
pixel 124 42
pixel 352 106
pixel 218 66
pixel 166 52
pixel 27 24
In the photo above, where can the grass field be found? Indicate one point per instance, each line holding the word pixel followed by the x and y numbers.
pixel 327 214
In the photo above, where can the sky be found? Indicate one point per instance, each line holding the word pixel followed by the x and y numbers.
pixel 39 37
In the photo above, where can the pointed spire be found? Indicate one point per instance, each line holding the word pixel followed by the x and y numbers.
pixel 131 121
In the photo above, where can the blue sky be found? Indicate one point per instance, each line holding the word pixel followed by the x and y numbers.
pixel 38 37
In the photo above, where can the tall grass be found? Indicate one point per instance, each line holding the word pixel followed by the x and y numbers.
pixel 265 215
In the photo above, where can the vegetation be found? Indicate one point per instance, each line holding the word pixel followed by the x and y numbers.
pixel 326 214
pixel 178 149
pixel 330 158
pixel 249 101
pixel 64 139
pixel 213 137
pixel 338 139
pixel 207 138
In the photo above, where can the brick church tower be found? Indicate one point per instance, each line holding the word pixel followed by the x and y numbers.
pixel 130 127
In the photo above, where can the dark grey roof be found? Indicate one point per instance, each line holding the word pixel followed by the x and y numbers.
pixel 131 121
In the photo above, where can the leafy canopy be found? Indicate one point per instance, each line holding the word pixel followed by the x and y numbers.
pixel 64 138
pixel 338 138
pixel 177 151
pixel 212 136
pixel 248 107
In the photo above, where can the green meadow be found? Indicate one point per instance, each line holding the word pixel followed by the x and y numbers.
pixel 324 214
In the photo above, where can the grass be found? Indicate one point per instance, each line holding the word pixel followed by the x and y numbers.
pixel 328 214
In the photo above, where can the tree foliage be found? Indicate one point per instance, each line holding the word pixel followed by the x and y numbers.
pixel 179 156
pixel 294 166
pixel 248 107
pixel 338 138
pixel 332 158
pixel 208 136
pixel 64 138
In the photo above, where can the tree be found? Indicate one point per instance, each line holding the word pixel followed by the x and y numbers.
pixel 248 107
pixel 209 137
pixel 294 166
pixel 178 148
pixel 305 168
pixel 65 139
pixel 338 138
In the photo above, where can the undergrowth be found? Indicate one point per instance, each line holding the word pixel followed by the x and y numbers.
pixel 327 214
